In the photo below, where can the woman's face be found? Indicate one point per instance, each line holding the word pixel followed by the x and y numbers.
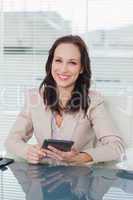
pixel 66 65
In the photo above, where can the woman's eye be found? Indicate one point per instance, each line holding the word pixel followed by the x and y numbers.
pixel 73 63
pixel 57 60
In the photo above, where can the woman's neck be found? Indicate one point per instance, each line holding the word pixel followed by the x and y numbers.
pixel 64 96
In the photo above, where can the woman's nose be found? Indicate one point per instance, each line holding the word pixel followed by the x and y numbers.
pixel 64 67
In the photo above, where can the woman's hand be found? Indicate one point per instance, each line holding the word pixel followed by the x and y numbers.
pixel 35 154
pixel 72 156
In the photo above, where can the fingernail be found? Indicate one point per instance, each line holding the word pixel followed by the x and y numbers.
pixel 45 154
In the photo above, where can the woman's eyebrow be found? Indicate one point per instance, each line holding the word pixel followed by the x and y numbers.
pixel 58 57
pixel 71 59
pixel 75 59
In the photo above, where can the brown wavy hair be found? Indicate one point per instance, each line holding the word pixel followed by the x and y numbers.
pixel 79 98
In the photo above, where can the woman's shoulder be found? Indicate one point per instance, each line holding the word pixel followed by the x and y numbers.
pixel 33 96
pixel 33 92
pixel 95 98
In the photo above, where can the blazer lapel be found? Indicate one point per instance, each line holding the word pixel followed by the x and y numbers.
pixel 47 115
pixel 42 122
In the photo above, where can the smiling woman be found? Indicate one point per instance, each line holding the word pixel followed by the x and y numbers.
pixel 64 108
pixel 68 75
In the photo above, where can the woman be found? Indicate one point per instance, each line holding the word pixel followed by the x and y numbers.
pixel 65 108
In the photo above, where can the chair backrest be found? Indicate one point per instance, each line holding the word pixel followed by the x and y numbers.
pixel 121 112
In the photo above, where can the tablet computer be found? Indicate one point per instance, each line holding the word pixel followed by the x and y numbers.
pixel 63 145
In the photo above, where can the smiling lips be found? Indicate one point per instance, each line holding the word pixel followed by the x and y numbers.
pixel 63 77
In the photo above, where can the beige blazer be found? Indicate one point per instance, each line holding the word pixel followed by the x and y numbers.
pixel 93 134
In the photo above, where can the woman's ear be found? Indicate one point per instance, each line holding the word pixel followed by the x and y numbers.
pixel 81 71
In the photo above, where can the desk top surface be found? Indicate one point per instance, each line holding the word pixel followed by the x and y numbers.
pixel 22 181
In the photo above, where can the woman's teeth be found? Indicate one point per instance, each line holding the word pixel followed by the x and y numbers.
pixel 63 77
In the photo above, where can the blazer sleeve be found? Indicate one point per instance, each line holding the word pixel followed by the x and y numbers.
pixel 21 131
pixel 109 145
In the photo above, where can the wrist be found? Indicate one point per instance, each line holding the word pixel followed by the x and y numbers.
pixel 87 157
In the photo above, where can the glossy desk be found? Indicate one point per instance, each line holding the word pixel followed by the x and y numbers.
pixel 22 181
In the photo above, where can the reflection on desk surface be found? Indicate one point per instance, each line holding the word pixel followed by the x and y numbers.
pixel 22 181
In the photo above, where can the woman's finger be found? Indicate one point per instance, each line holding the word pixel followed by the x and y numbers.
pixel 32 154
pixel 55 150
pixel 64 156
pixel 53 155
pixel 35 154
pixel 38 150
pixel 33 161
